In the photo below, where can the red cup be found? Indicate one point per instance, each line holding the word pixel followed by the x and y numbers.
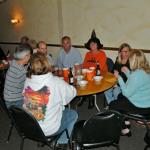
pixel 66 72
pixel 93 69
pixel 89 75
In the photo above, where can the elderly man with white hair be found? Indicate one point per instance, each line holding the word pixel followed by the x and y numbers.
pixel 16 76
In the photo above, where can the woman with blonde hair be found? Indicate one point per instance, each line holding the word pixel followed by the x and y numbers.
pixel 135 96
pixel 121 61
pixel 45 97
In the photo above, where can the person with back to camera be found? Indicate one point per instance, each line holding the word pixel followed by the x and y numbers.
pixel 45 96
pixel 16 76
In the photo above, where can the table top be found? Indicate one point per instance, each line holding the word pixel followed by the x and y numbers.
pixel 93 87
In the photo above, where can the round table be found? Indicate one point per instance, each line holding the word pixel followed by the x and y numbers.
pixel 92 88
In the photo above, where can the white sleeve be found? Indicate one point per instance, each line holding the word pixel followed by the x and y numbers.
pixel 68 92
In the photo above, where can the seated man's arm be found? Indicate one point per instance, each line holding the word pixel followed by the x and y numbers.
pixel 58 61
pixel 79 59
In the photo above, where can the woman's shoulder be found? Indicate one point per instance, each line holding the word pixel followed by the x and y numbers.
pixel 58 80
pixel 48 80
pixel 88 53
pixel 101 52
pixel 140 72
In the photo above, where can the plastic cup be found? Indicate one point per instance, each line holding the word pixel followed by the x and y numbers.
pixel 66 72
pixel 76 66
pixel 77 69
pixel 93 69
pixel 84 72
pixel 89 75
pixel 79 78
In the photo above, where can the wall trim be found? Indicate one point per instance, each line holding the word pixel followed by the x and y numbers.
pixel 77 46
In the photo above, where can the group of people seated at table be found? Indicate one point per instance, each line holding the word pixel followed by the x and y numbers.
pixel 30 83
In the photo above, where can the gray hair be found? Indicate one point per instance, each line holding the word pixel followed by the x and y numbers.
pixel 21 52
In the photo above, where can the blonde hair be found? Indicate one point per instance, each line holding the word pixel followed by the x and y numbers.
pixel 138 60
pixel 120 49
pixel 39 65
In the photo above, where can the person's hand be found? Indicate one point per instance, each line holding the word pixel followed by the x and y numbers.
pixel 116 74
pixel 124 69
pixel 115 86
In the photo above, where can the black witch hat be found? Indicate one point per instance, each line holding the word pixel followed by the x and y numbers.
pixel 93 39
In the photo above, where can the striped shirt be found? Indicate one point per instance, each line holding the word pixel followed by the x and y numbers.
pixel 14 82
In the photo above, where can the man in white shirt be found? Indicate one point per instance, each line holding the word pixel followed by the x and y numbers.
pixel 68 55
pixel 42 48
pixel 45 96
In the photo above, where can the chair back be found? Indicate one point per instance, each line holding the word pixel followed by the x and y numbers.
pixel 104 127
pixel 110 64
pixel 4 107
pixel 26 125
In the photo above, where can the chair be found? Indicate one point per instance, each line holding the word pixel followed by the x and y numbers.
pixel 4 107
pixel 145 118
pixel 102 129
pixel 110 64
pixel 28 127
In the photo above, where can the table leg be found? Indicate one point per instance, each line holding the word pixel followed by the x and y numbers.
pixel 95 102
pixel 80 101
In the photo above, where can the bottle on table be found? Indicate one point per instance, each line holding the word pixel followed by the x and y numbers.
pixel 98 72
pixel 71 78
